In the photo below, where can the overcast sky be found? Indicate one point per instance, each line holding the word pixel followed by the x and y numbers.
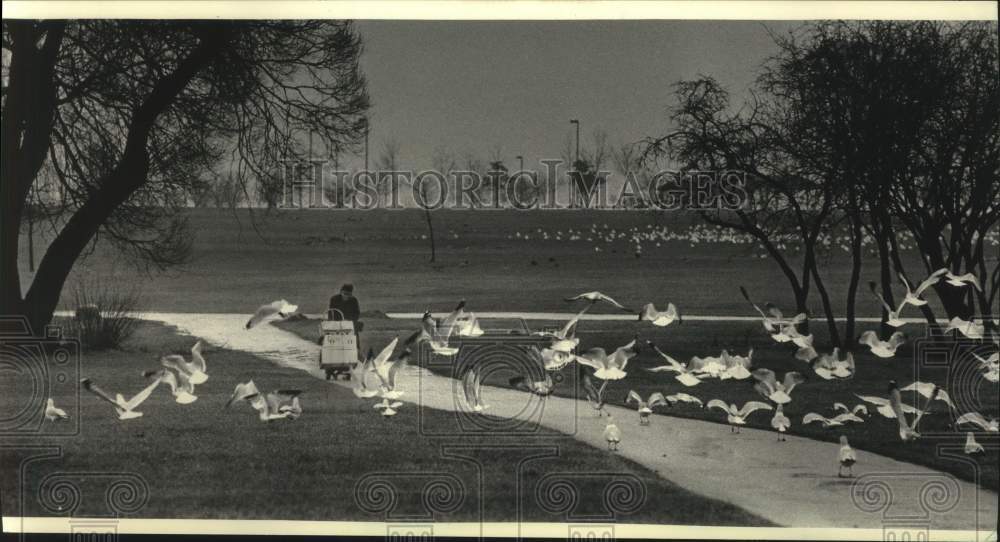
pixel 473 86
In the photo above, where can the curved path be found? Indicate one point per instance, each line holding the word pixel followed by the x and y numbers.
pixel 793 483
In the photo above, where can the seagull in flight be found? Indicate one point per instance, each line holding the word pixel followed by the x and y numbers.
pixel 609 367
pixel 893 318
pixel 774 320
pixel 388 409
pixel 961 281
pixel 645 408
pixel 907 432
pixel 365 382
pixel 595 296
pixel 989 425
pixel 436 333
pixel 990 366
pixel 595 395
pixel 565 340
pixel 882 349
pixel 736 367
pixel 858 410
pixel 660 318
pixel 54 413
pixel 472 386
pixel 970 328
pixel 180 385
pixel 779 392
pixel 913 296
pixel 835 421
pixel 281 308
pixel 683 375
pixel 930 391
pixel 386 370
pixel 124 408
pixel 737 416
pixel 274 405
pixel 831 367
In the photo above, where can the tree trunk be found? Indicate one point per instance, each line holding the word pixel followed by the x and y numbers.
pixel 852 287
pixel 430 230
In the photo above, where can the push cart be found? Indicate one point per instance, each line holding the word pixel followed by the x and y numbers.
pixel 339 347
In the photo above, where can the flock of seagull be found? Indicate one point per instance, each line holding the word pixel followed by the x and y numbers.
pixel 375 376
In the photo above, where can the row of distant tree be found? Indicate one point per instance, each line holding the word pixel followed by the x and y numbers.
pixel 869 128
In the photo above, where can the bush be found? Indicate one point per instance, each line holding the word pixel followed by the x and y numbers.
pixel 105 316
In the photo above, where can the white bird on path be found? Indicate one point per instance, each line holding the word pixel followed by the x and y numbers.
pixel 609 366
pixel 595 296
pixel 645 408
pixel 612 434
pixel 971 446
pixel 780 422
pixel 124 408
pixel 882 349
pixel 913 297
pixel 281 308
pixel 595 395
pixel 769 386
pixel 683 375
pixel 990 425
pixel 660 318
pixel 846 457
pixel 831 367
pixel 54 413
pixel 737 417
pixel 180 386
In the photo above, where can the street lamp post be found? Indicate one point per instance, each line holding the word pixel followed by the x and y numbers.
pixel 521 160
pixel 577 123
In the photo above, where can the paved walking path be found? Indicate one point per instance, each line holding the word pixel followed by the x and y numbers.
pixel 792 483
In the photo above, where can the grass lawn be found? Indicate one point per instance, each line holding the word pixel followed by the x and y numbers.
pixel 304 256
pixel 682 341
pixel 202 461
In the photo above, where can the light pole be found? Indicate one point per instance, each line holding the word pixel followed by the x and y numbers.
pixel 577 123
pixel 368 129
pixel 521 159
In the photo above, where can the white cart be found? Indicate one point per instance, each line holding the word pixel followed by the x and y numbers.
pixel 339 348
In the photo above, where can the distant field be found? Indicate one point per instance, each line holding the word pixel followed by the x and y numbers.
pixel 304 256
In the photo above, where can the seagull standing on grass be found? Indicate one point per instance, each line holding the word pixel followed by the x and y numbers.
pixel 737 417
pixel 847 458
pixel 274 405
pixel 645 408
pixel 124 408
pixel 281 308
pixel 54 413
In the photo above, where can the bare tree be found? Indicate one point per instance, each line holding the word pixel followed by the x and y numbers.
pixel 130 114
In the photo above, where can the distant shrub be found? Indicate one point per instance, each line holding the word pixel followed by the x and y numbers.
pixel 105 316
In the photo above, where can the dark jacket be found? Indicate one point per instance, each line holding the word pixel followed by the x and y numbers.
pixel 349 307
